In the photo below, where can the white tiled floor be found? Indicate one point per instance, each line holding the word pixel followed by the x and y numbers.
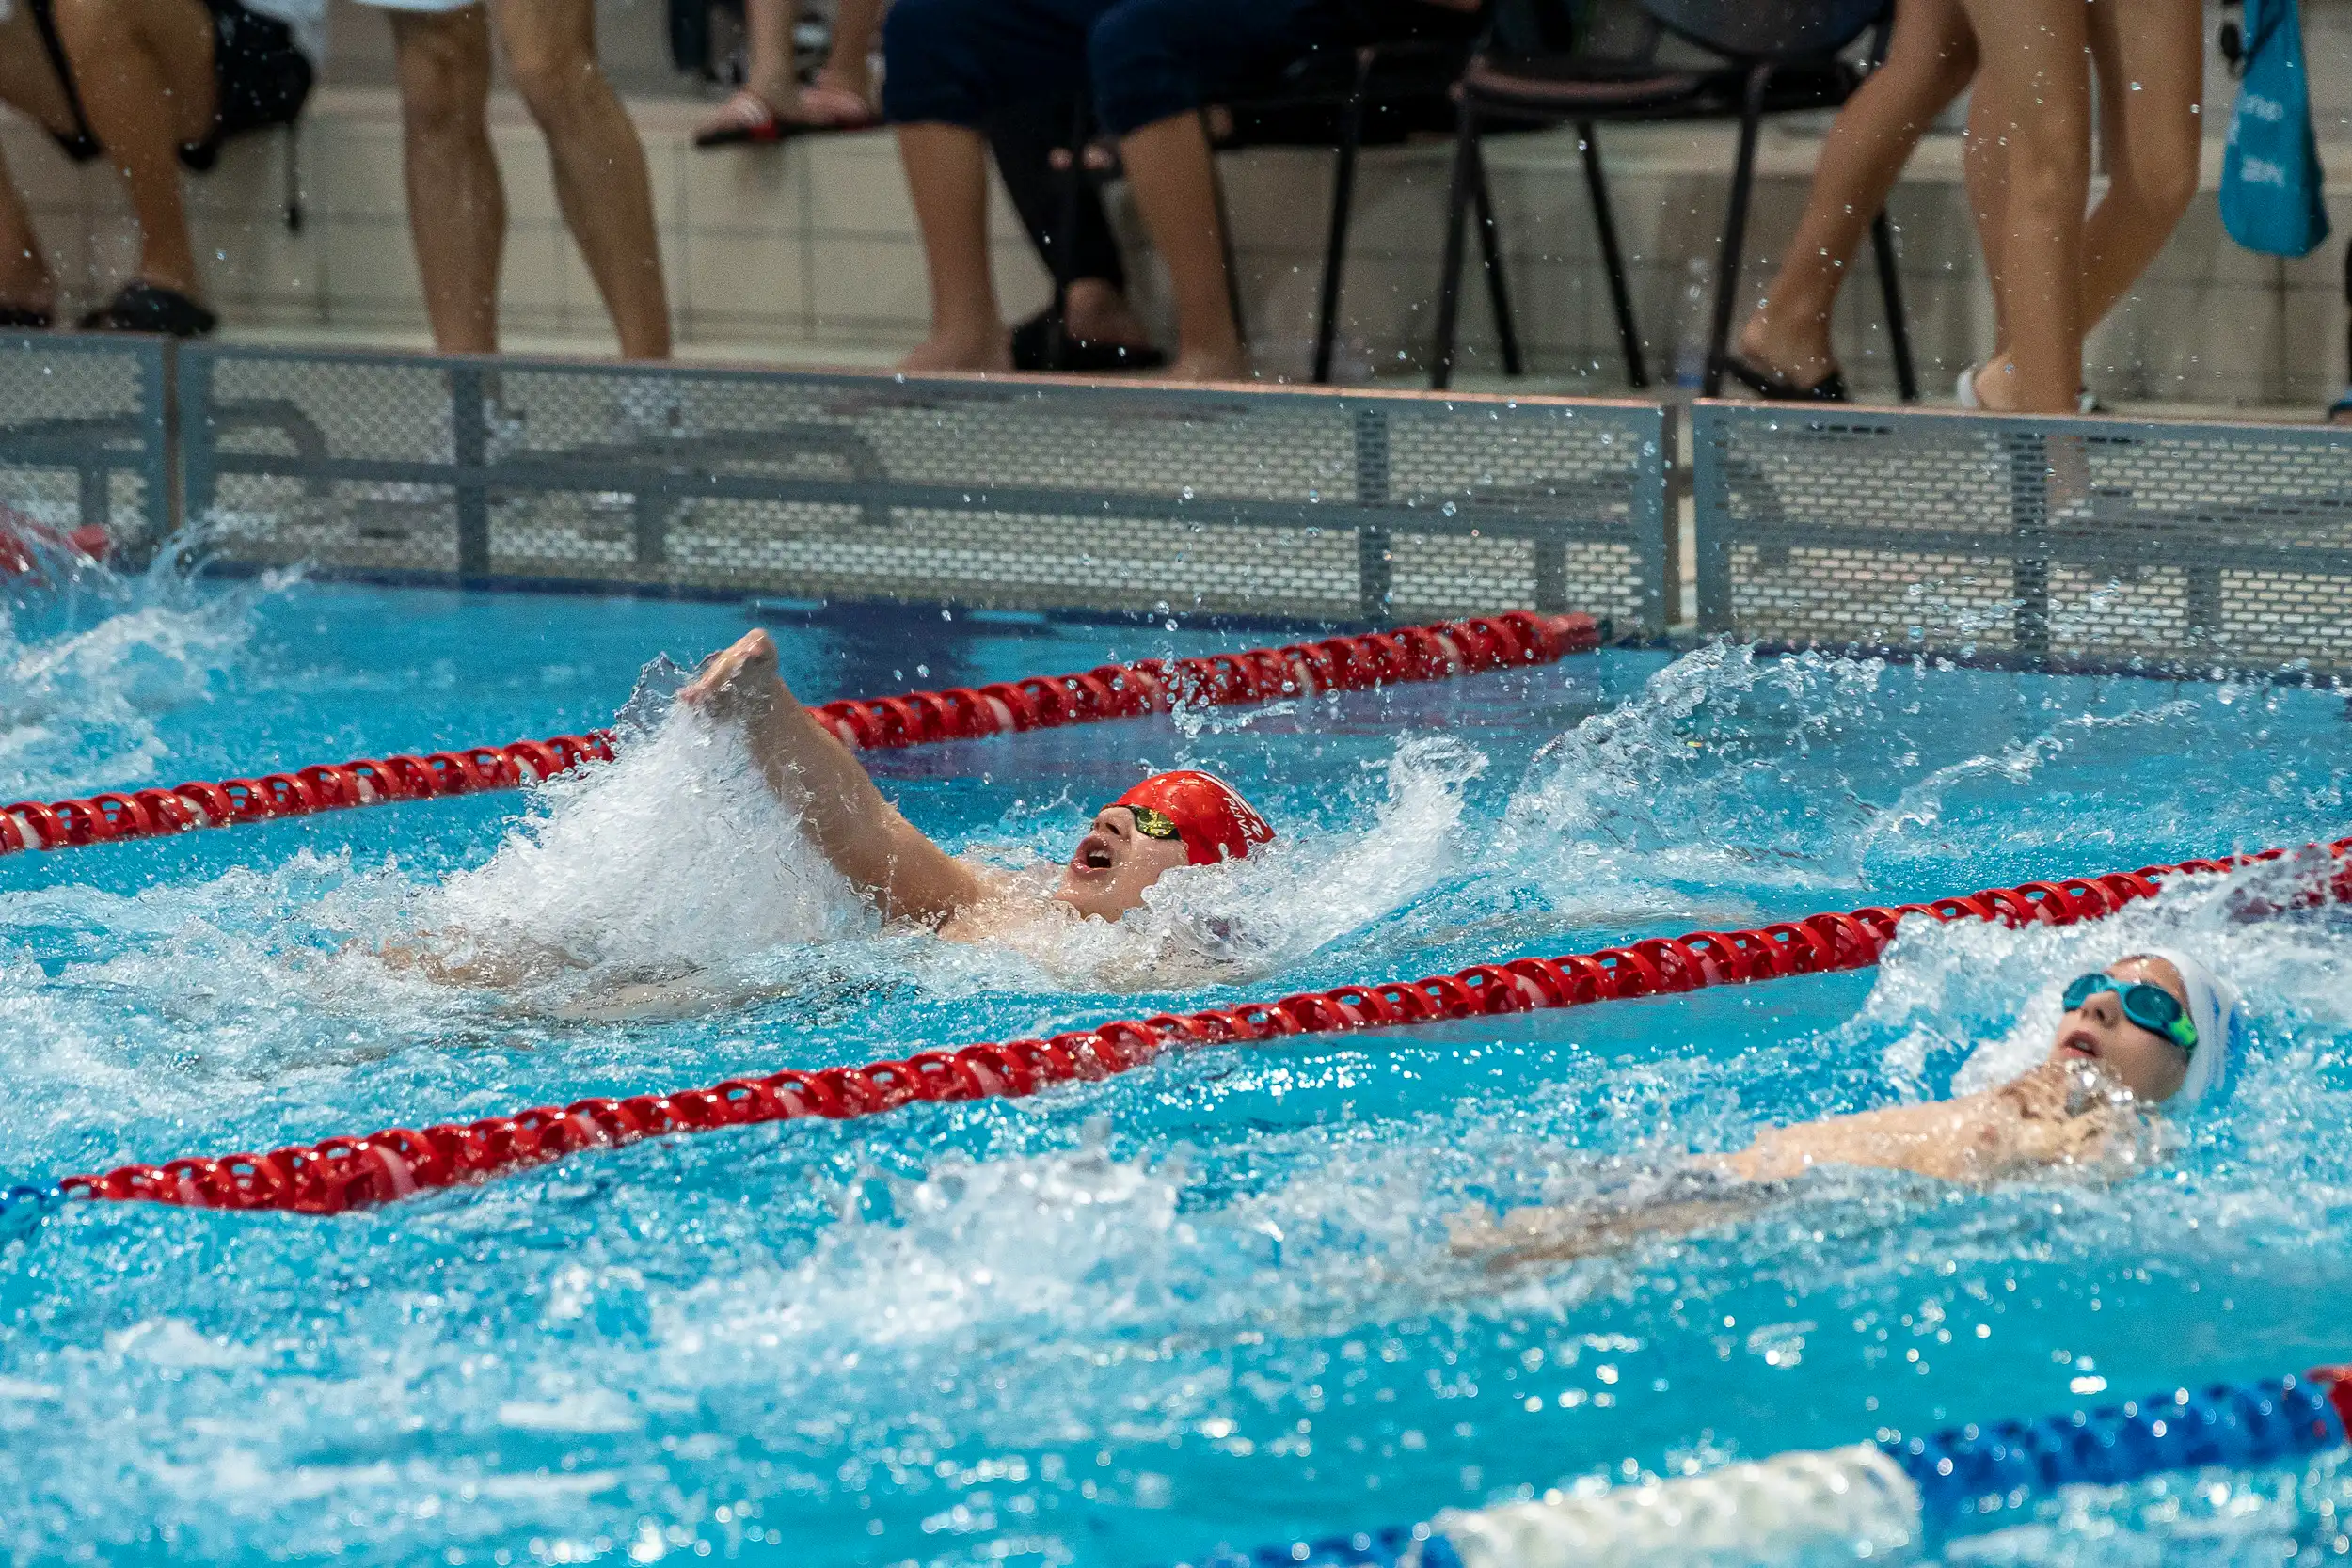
pixel 807 253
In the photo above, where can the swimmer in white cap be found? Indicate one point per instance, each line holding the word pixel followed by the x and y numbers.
pixel 2153 1030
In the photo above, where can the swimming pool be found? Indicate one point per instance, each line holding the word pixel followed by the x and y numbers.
pixel 1207 1301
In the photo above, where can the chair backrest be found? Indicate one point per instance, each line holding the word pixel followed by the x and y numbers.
pixel 1769 29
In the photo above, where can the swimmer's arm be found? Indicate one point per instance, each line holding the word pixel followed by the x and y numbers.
pixel 2032 1122
pixel 904 874
pixel 1558 1234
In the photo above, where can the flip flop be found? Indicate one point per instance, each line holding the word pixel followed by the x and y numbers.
pixel 747 120
pixel 1079 356
pixel 17 318
pixel 1774 388
pixel 2340 411
pixel 140 305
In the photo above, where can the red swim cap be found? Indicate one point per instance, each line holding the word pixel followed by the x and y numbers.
pixel 1210 819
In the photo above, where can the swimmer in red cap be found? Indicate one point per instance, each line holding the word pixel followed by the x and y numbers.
pixel 1170 819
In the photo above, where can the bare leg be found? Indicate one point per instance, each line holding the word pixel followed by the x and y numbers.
pixel 600 178
pixel 456 205
pixel 145 71
pixel 1929 61
pixel 29 86
pixel 1175 186
pixel 948 177
pixel 849 64
pixel 25 281
pixel 767 29
pixel 2034 90
pixel 2151 67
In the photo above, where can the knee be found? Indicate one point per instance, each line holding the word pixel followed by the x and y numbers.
pixel 444 67
pixel 87 28
pixel 2161 179
pixel 932 60
pixel 1139 75
pixel 2050 154
pixel 556 81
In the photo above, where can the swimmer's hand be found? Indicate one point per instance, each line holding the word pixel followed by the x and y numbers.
pixel 739 683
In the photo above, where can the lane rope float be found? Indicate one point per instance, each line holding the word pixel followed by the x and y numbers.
pixel 1440 651
pixel 345 1173
pixel 1887 1497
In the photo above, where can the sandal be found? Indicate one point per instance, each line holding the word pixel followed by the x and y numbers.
pixel 140 305
pixel 1774 388
pixel 748 120
pixel 19 318
pixel 2085 401
pixel 1032 341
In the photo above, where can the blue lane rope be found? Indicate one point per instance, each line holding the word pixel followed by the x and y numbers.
pixel 1978 1471
pixel 1971 1469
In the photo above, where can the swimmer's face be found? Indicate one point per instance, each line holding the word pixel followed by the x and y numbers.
pixel 1113 864
pixel 2143 1061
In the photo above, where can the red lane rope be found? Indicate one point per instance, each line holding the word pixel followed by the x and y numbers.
pixel 347 1173
pixel 1437 652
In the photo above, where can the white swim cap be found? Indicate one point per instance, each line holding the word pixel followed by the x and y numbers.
pixel 2217 1009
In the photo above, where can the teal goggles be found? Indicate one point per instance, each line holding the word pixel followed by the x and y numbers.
pixel 2153 1007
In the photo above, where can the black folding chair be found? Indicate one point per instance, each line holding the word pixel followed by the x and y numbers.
pixel 1345 99
pixel 1770 56
pixel 1348 99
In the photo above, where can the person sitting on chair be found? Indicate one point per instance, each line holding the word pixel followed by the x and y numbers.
pixel 151 86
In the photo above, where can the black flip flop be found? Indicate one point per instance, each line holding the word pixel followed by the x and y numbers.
pixel 1774 387
pixel 16 318
pixel 140 305
pixel 1033 340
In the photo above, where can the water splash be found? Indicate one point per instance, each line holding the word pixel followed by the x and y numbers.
pixel 90 657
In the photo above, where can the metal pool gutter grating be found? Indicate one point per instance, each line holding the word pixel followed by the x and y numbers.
pixel 2097 543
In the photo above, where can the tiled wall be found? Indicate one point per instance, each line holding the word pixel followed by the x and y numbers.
pixel 809 251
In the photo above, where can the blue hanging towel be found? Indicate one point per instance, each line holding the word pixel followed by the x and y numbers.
pixel 2271 182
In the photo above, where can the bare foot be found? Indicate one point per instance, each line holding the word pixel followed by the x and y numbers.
pixel 740 683
pixel 1217 366
pixel 1797 352
pixel 984 352
pixel 1996 385
pixel 1094 312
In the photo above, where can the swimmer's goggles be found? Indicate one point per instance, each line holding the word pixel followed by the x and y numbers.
pixel 2153 1007
pixel 1153 823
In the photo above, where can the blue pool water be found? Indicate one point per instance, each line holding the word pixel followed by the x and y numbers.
pixel 1117 1323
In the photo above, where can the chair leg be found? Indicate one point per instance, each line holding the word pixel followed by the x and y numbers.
pixel 1342 197
pixel 1066 227
pixel 1735 230
pixel 1457 203
pixel 1612 258
pixel 1891 289
pixel 1490 252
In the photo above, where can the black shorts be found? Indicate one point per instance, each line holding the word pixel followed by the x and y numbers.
pixel 260 79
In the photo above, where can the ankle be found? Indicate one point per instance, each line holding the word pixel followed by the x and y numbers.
pixel 1093 311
